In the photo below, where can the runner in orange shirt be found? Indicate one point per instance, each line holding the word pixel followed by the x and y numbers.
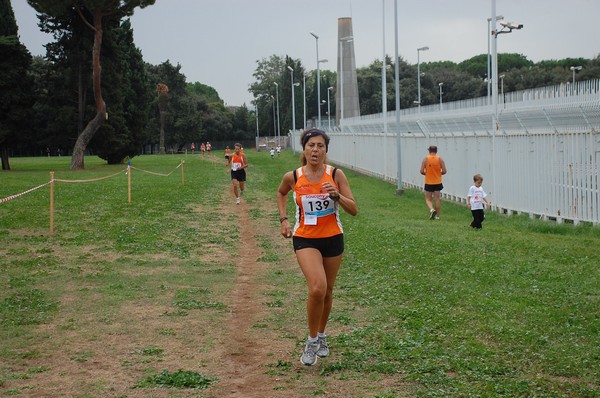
pixel 319 190
pixel 238 163
pixel 227 154
pixel 433 168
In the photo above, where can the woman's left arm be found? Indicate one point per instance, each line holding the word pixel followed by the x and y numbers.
pixel 345 197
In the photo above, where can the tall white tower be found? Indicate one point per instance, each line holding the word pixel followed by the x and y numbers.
pixel 346 106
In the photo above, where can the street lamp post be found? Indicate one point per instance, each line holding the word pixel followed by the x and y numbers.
pixel 278 125
pixel 383 73
pixel 321 61
pixel 384 91
pixel 494 94
pixel 494 37
pixel 489 60
pixel 343 40
pixel 573 69
pixel 293 100
pixel 419 75
pixel 318 81
pixel 257 133
pixel 304 90
pixel 440 84
pixel 274 120
pixel 329 107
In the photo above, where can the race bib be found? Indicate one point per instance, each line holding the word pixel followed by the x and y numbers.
pixel 236 166
pixel 315 206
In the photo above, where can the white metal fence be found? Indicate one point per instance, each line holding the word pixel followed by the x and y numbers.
pixel 543 160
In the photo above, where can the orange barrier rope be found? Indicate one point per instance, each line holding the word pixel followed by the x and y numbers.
pixel 91 179
pixel 155 173
pixel 11 197
pixel 53 180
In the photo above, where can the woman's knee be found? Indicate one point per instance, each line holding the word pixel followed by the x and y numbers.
pixel 318 291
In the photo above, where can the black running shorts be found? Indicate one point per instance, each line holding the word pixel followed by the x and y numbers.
pixel 329 247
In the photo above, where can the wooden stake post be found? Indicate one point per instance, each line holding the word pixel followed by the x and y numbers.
pixel 51 203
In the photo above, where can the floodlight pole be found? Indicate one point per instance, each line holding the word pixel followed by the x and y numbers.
pixel 384 91
pixel 304 89
pixel 257 133
pixel 494 37
pixel 278 125
pixel 419 75
pixel 274 119
pixel 329 107
pixel 495 123
pixel 293 100
pixel 399 186
pixel 489 66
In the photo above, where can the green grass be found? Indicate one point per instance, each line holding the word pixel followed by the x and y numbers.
pixel 178 379
pixel 509 311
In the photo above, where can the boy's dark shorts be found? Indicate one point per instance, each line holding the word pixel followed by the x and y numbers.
pixel 433 187
pixel 329 247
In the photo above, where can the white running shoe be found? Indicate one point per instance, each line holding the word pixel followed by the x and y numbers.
pixel 309 356
pixel 237 201
pixel 432 214
pixel 323 350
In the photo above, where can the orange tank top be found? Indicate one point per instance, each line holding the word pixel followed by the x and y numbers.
pixel 237 161
pixel 433 172
pixel 316 214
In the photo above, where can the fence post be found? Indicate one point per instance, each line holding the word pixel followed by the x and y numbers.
pixel 182 173
pixel 51 203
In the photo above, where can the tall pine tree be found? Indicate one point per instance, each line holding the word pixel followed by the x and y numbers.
pixel 92 12
pixel 15 85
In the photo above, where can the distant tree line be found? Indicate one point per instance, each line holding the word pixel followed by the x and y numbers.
pixel 464 80
pixel 47 102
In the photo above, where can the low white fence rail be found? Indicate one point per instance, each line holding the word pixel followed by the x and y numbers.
pixel 543 160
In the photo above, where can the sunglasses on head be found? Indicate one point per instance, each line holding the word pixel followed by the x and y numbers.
pixel 314 133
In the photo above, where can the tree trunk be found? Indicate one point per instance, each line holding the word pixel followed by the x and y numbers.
pixel 161 144
pixel 88 132
pixel 4 155
pixel 84 139
pixel 80 100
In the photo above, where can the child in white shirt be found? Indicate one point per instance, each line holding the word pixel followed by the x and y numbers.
pixel 475 199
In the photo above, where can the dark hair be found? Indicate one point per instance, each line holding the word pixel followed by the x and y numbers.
pixel 307 134
pixel 432 148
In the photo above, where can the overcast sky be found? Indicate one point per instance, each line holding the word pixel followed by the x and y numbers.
pixel 218 42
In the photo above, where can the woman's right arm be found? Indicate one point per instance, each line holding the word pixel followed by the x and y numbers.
pixel 287 182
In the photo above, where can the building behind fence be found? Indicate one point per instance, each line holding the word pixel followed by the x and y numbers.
pixel 542 158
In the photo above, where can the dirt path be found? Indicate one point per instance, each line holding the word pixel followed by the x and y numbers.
pixel 244 350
